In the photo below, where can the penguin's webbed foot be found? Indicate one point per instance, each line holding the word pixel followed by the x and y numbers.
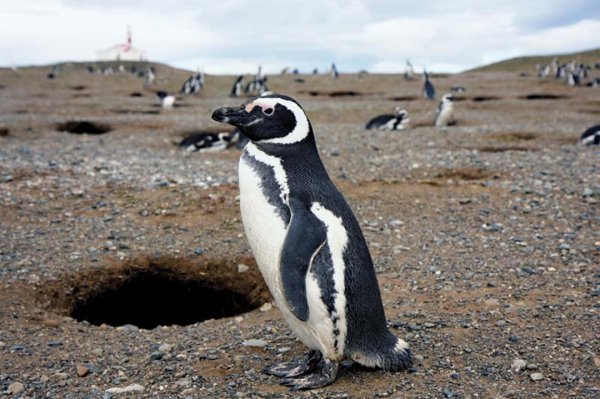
pixel 324 374
pixel 297 368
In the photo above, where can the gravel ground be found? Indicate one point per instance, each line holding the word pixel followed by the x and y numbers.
pixel 486 238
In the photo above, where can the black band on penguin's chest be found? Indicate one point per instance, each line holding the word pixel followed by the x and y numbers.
pixel 269 186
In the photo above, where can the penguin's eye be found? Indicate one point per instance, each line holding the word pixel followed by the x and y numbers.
pixel 268 111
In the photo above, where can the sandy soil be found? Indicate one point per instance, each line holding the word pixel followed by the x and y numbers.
pixel 486 239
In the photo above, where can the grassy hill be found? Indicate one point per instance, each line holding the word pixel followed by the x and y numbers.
pixel 519 64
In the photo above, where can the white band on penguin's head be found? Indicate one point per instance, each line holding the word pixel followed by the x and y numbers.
pixel 302 126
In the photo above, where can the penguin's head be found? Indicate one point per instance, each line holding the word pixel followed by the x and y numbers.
pixel 272 118
pixel 447 98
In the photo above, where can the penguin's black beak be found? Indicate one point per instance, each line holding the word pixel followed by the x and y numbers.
pixel 236 116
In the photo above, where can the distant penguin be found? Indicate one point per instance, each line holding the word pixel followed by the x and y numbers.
pixel 257 87
pixel 193 85
pixel 334 71
pixel 167 100
pixel 443 115
pixel 428 89
pixel 308 246
pixel 458 89
pixel 591 136
pixel 396 121
pixel 236 90
pixel 408 74
pixel 207 142
pixel 150 77
pixel 52 74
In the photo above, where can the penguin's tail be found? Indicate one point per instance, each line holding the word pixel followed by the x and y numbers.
pixel 397 357
pixel 391 355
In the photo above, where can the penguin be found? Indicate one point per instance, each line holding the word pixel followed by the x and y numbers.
pixel 308 246
pixel 236 90
pixel 150 77
pixel 257 86
pixel 167 101
pixel 208 142
pixel 443 115
pixel 334 71
pixel 591 136
pixel 408 74
pixel 397 121
pixel 458 89
pixel 428 89
pixel 193 85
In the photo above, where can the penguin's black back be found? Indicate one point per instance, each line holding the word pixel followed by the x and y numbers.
pixel 380 120
pixel 309 182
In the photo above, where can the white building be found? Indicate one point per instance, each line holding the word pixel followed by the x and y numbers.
pixel 122 52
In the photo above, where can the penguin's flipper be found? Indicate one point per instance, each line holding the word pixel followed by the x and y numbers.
pixel 305 237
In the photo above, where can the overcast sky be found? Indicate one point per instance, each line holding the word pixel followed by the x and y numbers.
pixel 223 36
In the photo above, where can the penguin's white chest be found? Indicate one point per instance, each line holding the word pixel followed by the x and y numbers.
pixel 266 232
pixel 444 116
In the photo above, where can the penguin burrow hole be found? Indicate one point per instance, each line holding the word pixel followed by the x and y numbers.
pixel 163 291
pixel 83 127
pixel 537 96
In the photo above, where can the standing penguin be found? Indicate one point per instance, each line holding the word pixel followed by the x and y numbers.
pixel 428 89
pixel 308 246
pixel 236 90
pixel 444 112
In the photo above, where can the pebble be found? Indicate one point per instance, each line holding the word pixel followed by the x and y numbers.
pixel 82 370
pixel 242 268
pixel 284 349
pixel 127 389
pixel 255 342
pixel 156 355
pixel 266 307
pixel 198 251
pixel 51 323
pixel 16 388
pixel 448 393
pixel 165 348
pixel 501 323
pixel 97 351
pixel 518 364
pixel 536 376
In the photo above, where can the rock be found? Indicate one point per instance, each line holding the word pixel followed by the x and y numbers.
pixel 165 348
pixel 242 268
pixel 82 370
pixel 51 323
pixel 536 376
pixel 518 364
pixel 500 323
pixel 97 351
pixel 127 389
pixel 188 391
pixel 156 355
pixel 448 393
pixel 15 388
pixel 61 376
pixel 532 366
pixel 198 251
pixel 255 343
pixel 266 307
pixel 284 349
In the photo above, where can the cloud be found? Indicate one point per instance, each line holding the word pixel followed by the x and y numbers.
pixel 236 36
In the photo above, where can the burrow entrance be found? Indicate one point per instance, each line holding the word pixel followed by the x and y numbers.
pixel 163 291
pixel 83 127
